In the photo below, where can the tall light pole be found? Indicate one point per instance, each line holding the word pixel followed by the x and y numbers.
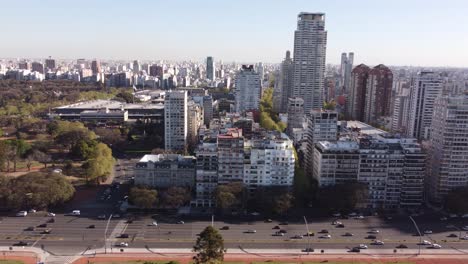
pixel 419 232
pixel 105 234
pixel 212 220
pixel 308 235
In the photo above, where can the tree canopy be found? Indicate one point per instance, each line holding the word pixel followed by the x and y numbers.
pixel 100 163
pixel 143 197
pixel 343 197
pixel 209 247
pixel 456 200
pixel 175 197
pixel 36 190
pixel 268 118
pixel 229 195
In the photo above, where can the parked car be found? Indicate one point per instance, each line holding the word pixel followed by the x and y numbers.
pixel 465 228
pixel 32 211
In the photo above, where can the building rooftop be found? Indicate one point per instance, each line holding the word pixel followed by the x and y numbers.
pixel 110 104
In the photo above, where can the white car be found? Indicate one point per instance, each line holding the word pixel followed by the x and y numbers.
pixel 123 244
pixel 32 210
pixel 374 231
pixel 154 223
pixel 353 214
pixel 251 231
pixel 359 217
pixel 336 214
pixel 327 236
pixel 378 243
pixel 465 228
pixel 22 214
pixel 465 216
pixel 426 243
pixel 51 214
pixel 436 246
pixel 464 238
pixel 180 222
pixel 363 246
pixel 278 234
pixel 76 212
pixel 428 232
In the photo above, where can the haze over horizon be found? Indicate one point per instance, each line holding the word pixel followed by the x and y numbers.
pixel 416 33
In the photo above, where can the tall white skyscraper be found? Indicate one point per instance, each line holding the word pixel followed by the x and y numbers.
pixel 248 89
pixel 175 120
pixel 210 68
pixel 426 87
pixel 310 40
pixel 448 151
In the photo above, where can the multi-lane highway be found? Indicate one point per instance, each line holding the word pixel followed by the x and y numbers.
pixel 72 234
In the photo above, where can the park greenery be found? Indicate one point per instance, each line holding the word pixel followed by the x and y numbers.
pixel 35 190
pixel 142 197
pixel 269 119
pixel 209 247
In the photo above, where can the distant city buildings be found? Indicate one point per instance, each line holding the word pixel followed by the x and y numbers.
pixel 310 40
pixel 248 89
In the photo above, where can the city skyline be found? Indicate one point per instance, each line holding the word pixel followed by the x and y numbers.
pixel 232 32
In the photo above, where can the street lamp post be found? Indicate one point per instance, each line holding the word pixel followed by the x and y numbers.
pixel 308 235
pixel 105 234
pixel 420 235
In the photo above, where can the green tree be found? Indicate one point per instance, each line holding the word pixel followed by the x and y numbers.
pixel 351 196
pixel 229 195
pixel 455 201
pixel 175 197
pixel 17 149
pixel 143 197
pixel 44 189
pixel 329 105
pixel 100 163
pixel 42 157
pixel 209 247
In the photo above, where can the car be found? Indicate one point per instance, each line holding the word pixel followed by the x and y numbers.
pixel 464 238
pixel 336 223
pixel 340 226
pixel 30 228
pixel 371 237
pixel 465 216
pixel 154 223
pixel 355 249
pixel 47 231
pixel 426 243
pixel 276 227
pixel 123 236
pixel 283 231
pixel 353 214
pixel 255 214
pixel 378 243
pixel 251 231
pixel 348 234
pixel 50 214
pixel 284 223
pixel 465 228
pixel 359 217
pixel 91 226
pixel 453 215
pixel 443 218
pixel 225 228
pixel 452 235
pixel 374 231
pixel 363 246
pixel 278 234
pixel 76 212
pixel 101 217
pixel 268 221
pixel 324 231
pixel 21 244
pixel 427 232
pixel 402 246
pixel 123 244
pixel 336 214
pixel 116 216
pixel 51 220
pixel 32 211
pixel 180 222
pixel 308 249
pixel 436 246
pixel 389 218
pixel 327 236
pixel 309 234
pixel 42 225
pixel 297 237
pixel 22 214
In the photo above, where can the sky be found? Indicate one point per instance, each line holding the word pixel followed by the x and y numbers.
pixel 392 32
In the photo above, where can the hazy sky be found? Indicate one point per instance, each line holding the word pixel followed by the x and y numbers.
pixel 396 32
